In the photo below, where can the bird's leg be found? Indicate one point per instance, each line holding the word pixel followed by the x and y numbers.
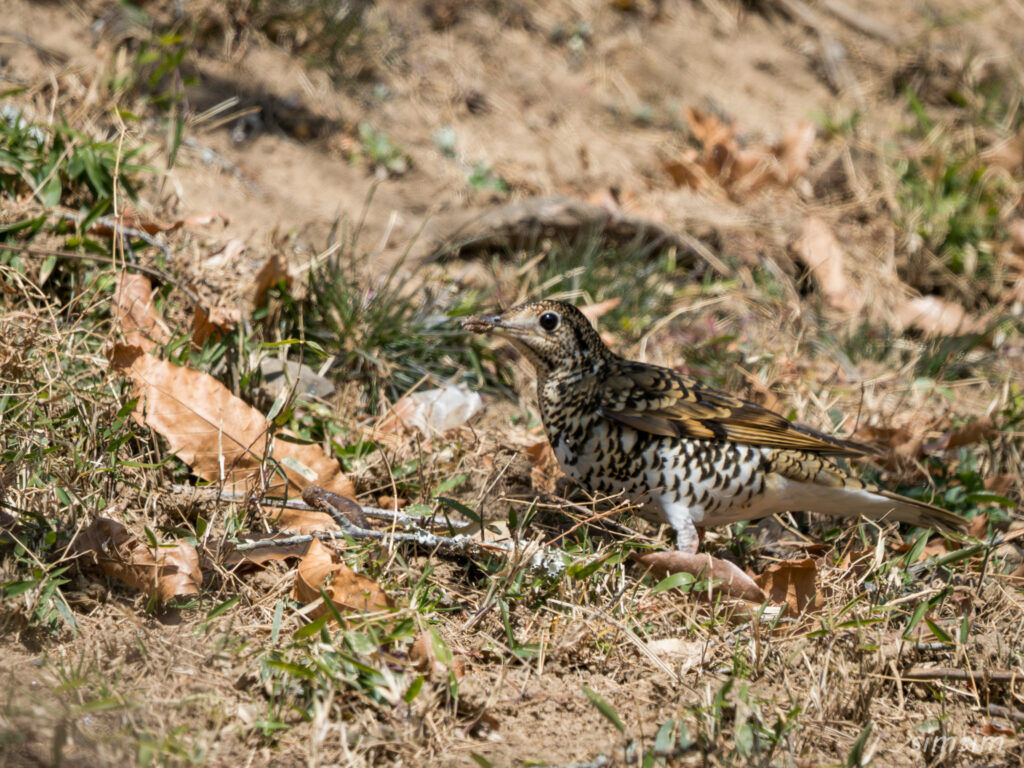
pixel 687 535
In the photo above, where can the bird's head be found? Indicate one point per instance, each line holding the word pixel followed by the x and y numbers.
pixel 555 337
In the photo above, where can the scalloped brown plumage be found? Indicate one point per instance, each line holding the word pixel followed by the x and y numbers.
pixel 665 402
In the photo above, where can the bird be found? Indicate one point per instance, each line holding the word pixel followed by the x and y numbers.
pixel 687 454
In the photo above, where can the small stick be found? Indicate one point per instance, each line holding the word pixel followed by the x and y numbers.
pixel 1010 714
pixel 112 224
pixel 546 560
pixel 305 538
pixel 926 674
pixel 374 513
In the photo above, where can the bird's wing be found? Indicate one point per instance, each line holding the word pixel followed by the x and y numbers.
pixel 664 402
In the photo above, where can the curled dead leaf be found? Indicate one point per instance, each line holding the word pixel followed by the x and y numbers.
pixel 132 218
pixel 273 271
pixel 934 316
pixel 825 259
pixel 897 440
pixel 593 312
pixel 544 467
pixel 213 321
pixel 427 660
pixel 737 169
pixel 349 591
pixel 935 547
pixel 423 657
pixel 135 312
pixel 225 254
pixel 219 435
pixel 730 580
pixel 166 571
pixel 976 431
pixel 792 583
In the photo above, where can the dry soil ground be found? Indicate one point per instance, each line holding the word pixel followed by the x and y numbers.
pixel 894 127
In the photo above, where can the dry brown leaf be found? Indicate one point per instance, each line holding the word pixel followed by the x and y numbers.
pixel 794 151
pixel 934 316
pixel 737 169
pixel 213 321
pixel 978 526
pixel 132 218
pixel 997 729
pixel 732 582
pixel 792 583
pixel 349 591
pixel 857 559
pixel 226 254
pixel 544 467
pixel 166 572
pixel 686 172
pixel 1000 483
pixel 135 312
pixel 216 433
pixel 273 271
pixel 898 440
pixel 819 249
pixel 976 431
pixel 936 547
pixel 398 419
pixel 593 312
pixel 423 655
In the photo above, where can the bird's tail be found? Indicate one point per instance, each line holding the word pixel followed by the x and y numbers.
pixel 919 513
pixel 855 501
pixel 818 484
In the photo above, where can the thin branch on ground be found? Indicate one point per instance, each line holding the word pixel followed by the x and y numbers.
pixel 996 710
pixel 111 223
pixel 927 674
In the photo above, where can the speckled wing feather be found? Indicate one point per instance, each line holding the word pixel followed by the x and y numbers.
pixel 664 402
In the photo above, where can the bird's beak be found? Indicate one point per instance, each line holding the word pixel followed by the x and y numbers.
pixel 482 323
pixel 513 328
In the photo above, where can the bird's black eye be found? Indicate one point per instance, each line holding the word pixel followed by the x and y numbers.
pixel 549 321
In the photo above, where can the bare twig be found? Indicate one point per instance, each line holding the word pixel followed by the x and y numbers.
pixel 1010 714
pixel 927 674
pixel 543 560
pixel 287 541
pixel 374 513
pixel 111 223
